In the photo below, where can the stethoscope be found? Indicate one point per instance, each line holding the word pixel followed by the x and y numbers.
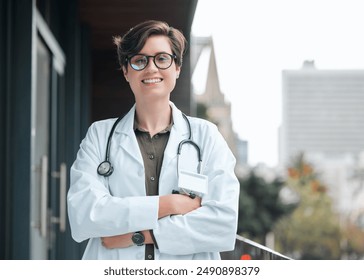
pixel 106 169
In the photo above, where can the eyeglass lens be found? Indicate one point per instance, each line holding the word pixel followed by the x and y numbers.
pixel 162 61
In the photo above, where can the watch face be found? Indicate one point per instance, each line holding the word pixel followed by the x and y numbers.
pixel 138 238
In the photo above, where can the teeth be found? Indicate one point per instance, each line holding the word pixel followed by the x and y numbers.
pixel 152 81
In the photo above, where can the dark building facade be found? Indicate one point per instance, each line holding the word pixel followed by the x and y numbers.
pixel 58 73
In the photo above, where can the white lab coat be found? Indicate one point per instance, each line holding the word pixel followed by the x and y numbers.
pixel 99 206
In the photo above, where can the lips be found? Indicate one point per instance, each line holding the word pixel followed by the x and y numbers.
pixel 152 81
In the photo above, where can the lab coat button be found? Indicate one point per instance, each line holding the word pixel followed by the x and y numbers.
pixel 152 178
pixel 151 156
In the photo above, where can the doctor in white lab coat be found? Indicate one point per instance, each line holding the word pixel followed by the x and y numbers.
pixel 114 213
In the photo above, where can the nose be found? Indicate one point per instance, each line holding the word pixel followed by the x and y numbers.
pixel 151 65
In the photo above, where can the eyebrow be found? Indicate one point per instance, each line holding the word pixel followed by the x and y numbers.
pixel 154 54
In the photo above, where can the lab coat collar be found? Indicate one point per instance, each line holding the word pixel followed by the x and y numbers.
pixel 179 132
pixel 127 139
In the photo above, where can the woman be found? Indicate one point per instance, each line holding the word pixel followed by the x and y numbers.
pixel 134 212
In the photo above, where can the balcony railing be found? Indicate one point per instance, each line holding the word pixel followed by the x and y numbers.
pixel 248 249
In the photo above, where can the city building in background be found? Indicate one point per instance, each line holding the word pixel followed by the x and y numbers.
pixel 323 118
pixel 210 97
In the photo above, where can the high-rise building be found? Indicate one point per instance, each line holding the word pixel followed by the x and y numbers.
pixel 323 113
pixel 323 118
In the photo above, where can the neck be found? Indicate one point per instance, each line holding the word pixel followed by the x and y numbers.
pixel 153 117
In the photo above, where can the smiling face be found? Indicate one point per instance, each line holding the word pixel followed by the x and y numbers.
pixel 153 83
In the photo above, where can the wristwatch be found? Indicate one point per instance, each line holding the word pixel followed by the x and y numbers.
pixel 138 238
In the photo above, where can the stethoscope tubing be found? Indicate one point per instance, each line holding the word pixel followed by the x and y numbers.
pixel 106 169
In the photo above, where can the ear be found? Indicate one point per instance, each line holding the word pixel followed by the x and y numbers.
pixel 178 71
pixel 125 72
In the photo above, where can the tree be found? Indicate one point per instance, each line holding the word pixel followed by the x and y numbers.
pixel 201 111
pixel 353 241
pixel 312 231
pixel 260 206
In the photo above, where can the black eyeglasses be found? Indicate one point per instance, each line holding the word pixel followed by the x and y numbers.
pixel 162 61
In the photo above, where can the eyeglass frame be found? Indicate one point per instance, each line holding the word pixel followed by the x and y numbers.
pixel 173 56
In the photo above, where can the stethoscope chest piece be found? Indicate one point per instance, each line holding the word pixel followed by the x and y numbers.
pixel 105 168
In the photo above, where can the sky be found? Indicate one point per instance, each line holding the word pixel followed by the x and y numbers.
pixel 255 40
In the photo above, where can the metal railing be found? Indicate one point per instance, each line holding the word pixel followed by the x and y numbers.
pixel 248 249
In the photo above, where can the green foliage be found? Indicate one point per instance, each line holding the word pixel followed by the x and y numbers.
pixel 260 206
pixel 312 231
pixel 201 111
pixel 353 241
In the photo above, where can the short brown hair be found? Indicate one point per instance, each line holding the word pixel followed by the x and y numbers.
pixel 134 40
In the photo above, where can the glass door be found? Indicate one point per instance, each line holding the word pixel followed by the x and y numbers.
pixel 40 154
pixel 48 179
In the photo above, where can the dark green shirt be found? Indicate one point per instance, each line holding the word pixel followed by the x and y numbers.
pixel 152 150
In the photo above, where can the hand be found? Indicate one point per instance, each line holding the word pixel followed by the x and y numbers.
pixel 184 204
pixel 177 204
pixel 117 241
